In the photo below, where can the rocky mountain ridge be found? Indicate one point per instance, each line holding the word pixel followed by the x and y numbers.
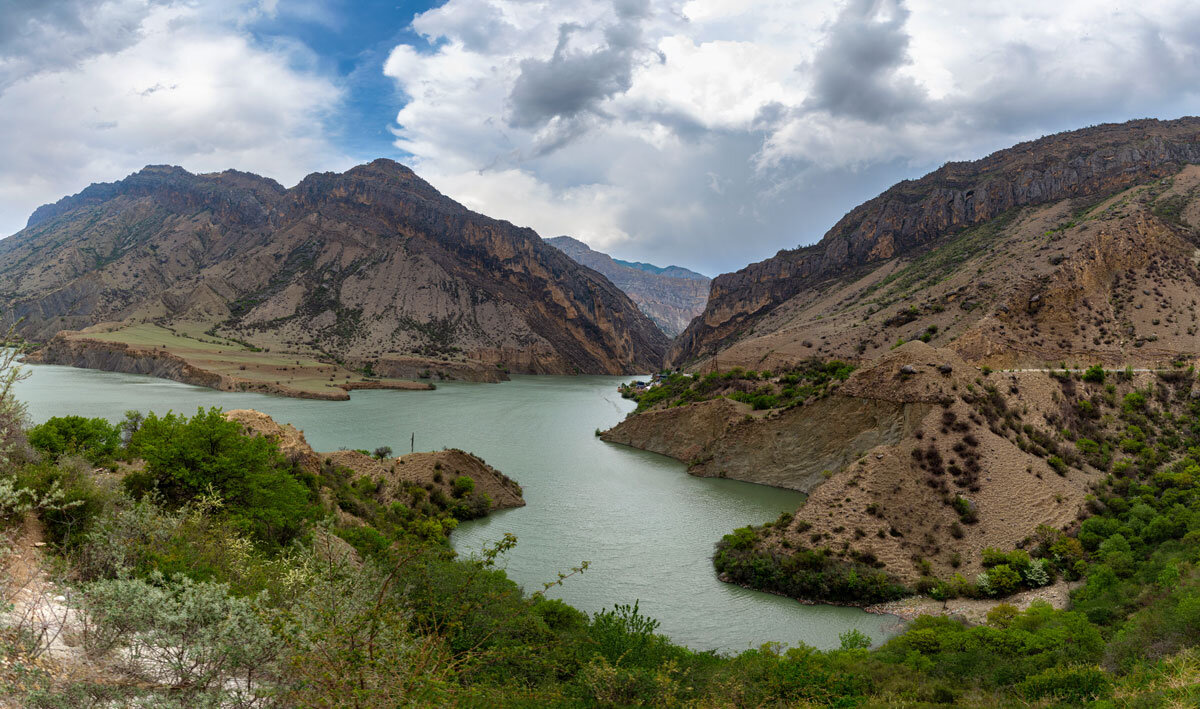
pixel 916 215
pixel 362 265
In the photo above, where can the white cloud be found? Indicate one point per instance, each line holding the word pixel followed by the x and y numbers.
pixel 184 90
pixel 712 132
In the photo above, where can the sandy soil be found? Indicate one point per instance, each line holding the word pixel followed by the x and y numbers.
pixel 975 610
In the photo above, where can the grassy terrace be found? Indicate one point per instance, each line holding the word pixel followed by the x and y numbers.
pixel 761 390
pixel 236 359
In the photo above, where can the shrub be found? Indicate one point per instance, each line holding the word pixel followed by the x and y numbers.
pixel 187 458
pixel 1038 573
pixel 1094 373
pixel 95 439
pixel 193 637
pixel 1068 684
pixel 462 486
pixel 79 500
pixel 1002 580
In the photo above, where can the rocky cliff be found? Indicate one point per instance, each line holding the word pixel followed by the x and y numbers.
pixel 362 265
pixel 918 217
pixel 671 296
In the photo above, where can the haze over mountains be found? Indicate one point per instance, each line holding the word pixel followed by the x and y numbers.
pixel 670 295
pixel 357 265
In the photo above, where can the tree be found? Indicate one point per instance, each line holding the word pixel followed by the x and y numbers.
pixel 93 438
pixel 12 411
pixel 382 452
pixel 186 458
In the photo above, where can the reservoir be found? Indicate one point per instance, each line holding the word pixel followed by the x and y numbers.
pixel 646 527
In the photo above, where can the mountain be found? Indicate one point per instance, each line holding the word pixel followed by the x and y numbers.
pixel 371 265
pixel 1075 246
pixel 669 271
pixel 865 370
pixel 671 296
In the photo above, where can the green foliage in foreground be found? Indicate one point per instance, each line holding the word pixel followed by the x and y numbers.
pixel 208 453
pixel 253 619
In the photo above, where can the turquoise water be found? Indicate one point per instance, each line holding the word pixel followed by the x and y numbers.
pixel 646 527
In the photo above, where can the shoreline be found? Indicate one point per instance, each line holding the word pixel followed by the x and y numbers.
pixel 120 357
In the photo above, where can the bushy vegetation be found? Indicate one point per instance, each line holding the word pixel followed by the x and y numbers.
pixel 811 574
pixel 217 574
pixel 94 439
pixel 761 390
pixel 208 453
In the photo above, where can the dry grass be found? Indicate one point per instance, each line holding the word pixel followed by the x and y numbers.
pixel 282 372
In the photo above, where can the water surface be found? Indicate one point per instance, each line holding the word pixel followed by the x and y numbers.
pixel 646 527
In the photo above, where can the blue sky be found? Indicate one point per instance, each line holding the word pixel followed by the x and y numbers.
pixel 351 40
pixel 704 133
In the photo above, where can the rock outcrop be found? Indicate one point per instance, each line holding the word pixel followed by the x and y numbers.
pixel 435 469
pixel 671 296
pixel 361 265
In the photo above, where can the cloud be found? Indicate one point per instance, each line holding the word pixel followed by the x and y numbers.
pixel 55 34
pixel 856 70
pixel 715 132
pixel 179 88
pixel 571 81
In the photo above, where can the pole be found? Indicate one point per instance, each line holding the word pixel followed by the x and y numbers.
pixel 412 444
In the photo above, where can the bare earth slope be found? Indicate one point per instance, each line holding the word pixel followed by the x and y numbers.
pixel 1034 253
pixel 670 296
pixel 365 266
pixel 918 460
pixel 1077 249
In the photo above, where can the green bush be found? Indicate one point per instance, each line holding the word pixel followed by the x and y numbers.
pixel 208 453
pixel 462 486
pixel 1068 684
pixel 1094 373
pixel 79 499
pixel 93 438
pixel 803 573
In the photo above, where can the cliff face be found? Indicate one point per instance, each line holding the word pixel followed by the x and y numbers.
pixel 789 449
pixel 916 215
pixel 671 296
pixel 358 265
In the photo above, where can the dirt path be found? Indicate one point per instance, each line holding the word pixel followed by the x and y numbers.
pixel 975 610
pixel 40 615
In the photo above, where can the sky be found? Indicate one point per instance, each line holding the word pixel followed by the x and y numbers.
pixel 703 133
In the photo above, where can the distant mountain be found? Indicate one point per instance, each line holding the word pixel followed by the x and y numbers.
pixel 353 266
pixel 671 296
pixel 668 271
